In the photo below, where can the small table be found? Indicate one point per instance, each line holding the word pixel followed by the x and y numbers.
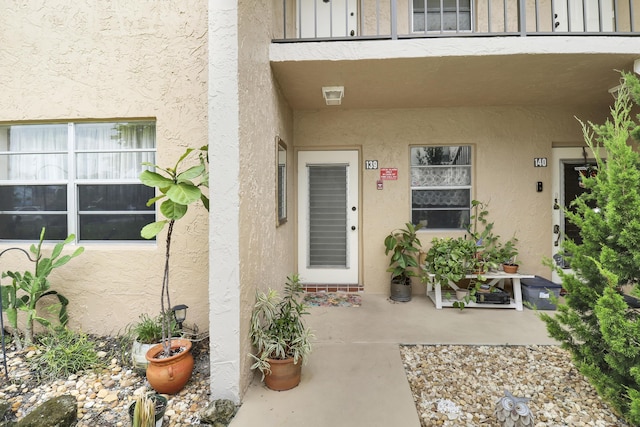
pixel 493 279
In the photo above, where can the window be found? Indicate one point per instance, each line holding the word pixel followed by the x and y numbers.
pixel 281 181
pixel 79 178
pixel 441 186
pixel 442 15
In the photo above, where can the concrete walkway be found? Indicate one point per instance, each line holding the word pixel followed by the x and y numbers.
pixel 354 376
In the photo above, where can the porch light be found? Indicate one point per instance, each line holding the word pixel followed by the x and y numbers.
pixel 333 94
pixel 614 91
pixel 180 314
pixel 636 66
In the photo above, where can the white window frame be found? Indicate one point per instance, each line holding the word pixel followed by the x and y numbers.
pixel 73 183
pixel 460 12
pixel 467 187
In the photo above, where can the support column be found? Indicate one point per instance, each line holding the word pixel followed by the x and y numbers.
pixel 224 163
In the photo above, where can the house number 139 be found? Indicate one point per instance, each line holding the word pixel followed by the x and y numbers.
pixel 371 164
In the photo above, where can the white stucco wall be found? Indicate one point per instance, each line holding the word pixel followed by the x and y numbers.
pixel 505 141
pixel 105 60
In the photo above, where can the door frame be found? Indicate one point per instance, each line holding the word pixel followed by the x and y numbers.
pixel 560 156
pixel 357 263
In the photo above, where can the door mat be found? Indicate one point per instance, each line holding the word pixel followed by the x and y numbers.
pixel 332 299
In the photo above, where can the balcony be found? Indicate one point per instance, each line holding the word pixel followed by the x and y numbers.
pixel 314 20
pixel 393 54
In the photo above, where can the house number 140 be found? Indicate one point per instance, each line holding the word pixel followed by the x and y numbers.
pixel 540 162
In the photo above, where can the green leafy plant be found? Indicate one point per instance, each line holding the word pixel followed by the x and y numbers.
pixel 595 323
pixel 277 329
pixel 148 330
pixel 449 259
pixel 63 352
pixel 481 232
pixel 178 190
pixel 507 253
pixel 28 288
pixel 404 246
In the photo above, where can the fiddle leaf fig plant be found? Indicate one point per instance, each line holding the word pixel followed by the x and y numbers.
pixel 179 188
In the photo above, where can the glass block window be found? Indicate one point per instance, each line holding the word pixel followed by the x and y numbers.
pixel 441 186
pixel 441 15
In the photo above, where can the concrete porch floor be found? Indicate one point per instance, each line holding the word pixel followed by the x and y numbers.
pixel 354 376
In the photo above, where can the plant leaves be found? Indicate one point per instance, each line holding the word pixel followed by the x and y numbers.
pixel 172 210
pixel 154 179
pixel 151 230
pixel 184 193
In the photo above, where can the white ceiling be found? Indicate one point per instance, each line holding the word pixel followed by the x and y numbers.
pixel 436 78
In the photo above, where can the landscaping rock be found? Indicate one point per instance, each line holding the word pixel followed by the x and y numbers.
pixel 218 413
pixel 60 411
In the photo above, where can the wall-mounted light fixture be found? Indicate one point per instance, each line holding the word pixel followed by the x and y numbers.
pixel 636 66
pixel 333 94
pixel 614 91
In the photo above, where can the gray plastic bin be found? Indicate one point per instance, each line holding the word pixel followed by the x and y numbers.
pixel 539 293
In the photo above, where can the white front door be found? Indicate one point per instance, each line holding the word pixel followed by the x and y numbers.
pixel 328 217
pixel 568 163
pixel 333 18
pixel 572 16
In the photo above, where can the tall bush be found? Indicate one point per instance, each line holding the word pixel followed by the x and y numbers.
pixel 595 323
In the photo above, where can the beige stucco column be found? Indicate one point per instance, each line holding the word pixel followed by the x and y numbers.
pixel 224 250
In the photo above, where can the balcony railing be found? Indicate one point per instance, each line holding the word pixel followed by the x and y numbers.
pixel 305 20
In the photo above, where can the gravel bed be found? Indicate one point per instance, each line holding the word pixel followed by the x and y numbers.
pixel 458 385
pixel 103 396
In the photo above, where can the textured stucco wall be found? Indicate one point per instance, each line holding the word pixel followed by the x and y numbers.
pixel 65 60
pixel 266 250
pixel 249 251
pixel 505 142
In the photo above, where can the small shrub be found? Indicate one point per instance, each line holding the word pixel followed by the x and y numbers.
pixel 62 353
pixel 147 330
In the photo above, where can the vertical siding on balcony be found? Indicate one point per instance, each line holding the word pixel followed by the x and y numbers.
pixel 393 19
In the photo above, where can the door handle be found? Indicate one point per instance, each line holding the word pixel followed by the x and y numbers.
pixel 353 227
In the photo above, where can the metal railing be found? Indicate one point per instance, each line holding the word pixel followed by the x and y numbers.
pixel 313 20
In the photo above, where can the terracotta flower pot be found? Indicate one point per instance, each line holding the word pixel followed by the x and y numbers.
pixel 169 375
pixel 284 374
pixel 510 268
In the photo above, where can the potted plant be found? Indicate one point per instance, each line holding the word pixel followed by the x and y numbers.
pixel 507 255
pixel 147 410
pixel 404 246
pixel 171 362
pixel 449 260
pixel 480 231
pixel 281 339
pixel 144 334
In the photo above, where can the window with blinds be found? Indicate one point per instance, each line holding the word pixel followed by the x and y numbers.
pixel 328 216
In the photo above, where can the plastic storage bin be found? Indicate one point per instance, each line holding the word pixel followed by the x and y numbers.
pixel 539 293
